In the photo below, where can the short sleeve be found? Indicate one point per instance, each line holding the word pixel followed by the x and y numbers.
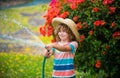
pixel 53 50
pixel 73 45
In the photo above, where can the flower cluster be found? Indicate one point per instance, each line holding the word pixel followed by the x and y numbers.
pixel 97 22
pixel 44 30
pixel 98 64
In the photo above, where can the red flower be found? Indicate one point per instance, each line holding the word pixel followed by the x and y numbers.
pixel 64 14
pixel 79 25
pixel 102 22
pixel 82 37
pixel 79 1
pixel 46 30
pixel 91 32
pixel 99 23
pixel 105 2
pixel 95 9
pixel 52 12
pixel 52 3
pixel 98 64
pixel 49 31
pixel 73 6
pixel 112 9
pixel 70 1
pixel 113 24
pixel 75 18
pixel 116 35
pixel 42 30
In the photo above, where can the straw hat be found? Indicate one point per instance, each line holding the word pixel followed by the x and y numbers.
pixel 56 21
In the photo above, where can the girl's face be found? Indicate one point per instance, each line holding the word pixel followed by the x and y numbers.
pixel 63 35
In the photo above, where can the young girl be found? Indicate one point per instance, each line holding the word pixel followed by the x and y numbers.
pixel 64 48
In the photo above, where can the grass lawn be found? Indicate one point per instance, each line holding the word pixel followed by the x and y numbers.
pixel 17 65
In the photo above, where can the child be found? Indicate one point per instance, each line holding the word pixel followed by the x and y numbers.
pixel 64 48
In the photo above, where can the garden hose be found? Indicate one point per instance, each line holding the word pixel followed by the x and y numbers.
pixel 43 66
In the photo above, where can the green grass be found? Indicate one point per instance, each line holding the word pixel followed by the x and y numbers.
pixel 17 65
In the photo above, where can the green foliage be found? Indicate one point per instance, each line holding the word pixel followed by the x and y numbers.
pixel 101 45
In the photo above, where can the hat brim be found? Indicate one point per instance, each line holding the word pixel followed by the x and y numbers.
pixel 56 21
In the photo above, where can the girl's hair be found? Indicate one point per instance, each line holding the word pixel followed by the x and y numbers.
pixel 65 28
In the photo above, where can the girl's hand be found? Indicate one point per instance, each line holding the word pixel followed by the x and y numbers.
pixel 50 46
pixel 47 54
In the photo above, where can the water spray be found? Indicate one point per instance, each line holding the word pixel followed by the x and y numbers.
pixel 29 42
pixel 4 17
pixel 40 43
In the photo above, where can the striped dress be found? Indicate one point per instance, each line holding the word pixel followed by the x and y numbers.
pixel 64 62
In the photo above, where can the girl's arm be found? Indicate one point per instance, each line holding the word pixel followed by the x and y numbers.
pixel 65 48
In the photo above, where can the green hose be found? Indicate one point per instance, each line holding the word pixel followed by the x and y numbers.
pixel 43 66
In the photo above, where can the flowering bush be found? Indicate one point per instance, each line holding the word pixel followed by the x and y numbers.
pixel 98 22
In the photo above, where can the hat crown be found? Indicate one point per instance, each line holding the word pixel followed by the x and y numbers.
pixel 70 21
